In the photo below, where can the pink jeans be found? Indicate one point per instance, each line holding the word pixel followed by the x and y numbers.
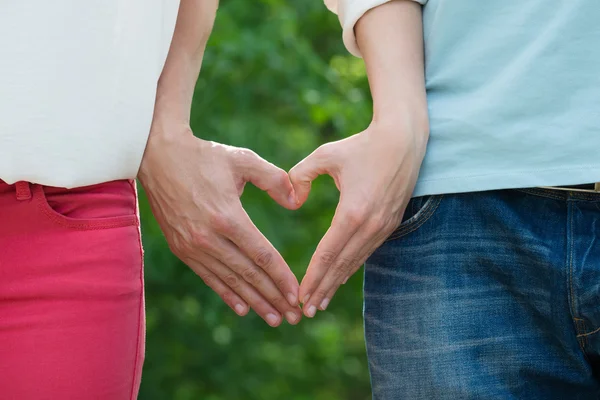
pixel 71 292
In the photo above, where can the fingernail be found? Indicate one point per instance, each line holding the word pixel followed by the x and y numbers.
pixel 292 299
pixel 240 309
pixel 291 317
pixel 306 299
pixel 324 303
pixel 312 310
pixel 272 319
pixel 345 280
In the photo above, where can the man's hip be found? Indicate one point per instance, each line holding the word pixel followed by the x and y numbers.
pixel 488 295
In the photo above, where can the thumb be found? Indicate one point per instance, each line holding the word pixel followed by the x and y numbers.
pixel 270 178
pixel 319 162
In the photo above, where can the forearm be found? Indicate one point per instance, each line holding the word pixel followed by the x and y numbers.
pixel 178 79
pixel 390 38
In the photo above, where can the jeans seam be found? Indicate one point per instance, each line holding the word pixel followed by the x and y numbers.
pixel 117 222
pixel 571 245
pixel 141 302
pixel 579 323
pixel 424 218
pixel 542 193
pixel 588 333
pixel 561 194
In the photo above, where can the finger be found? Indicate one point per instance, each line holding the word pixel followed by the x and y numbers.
pixel 258 302
pixel 269 178
pixel 254 255
pixel 253 275
pixel 334 289
pixel 343 227
pixel 327 299
pixel 241 288
pixel 365 253
pixel 218 286
pixel 368 238
pixel 340 268
pixel 319 162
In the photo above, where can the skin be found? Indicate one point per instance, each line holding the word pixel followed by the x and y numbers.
pixel 194 189
pixel 374 170
pixel 194 185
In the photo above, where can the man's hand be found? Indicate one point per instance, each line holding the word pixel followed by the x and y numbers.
pixel 194 187
pixel 375 172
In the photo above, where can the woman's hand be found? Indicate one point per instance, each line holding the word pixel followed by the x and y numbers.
pixel 194 189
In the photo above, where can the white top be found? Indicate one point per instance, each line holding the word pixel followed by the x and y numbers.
pixel 78 82
pixel 77 87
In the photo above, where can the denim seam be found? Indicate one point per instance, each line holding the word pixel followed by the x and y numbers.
pixel 541 193
pixel 571 243
pixel 426 214
pixel 589 333
pixel 141 306
pixel 566 195
pixel 579 323
pixel 112 222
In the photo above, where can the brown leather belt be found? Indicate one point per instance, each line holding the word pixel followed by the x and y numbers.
pixel 588 188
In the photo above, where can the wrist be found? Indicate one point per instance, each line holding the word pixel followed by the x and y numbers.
pixel 171 108
pixel 404 119
pixel 165 134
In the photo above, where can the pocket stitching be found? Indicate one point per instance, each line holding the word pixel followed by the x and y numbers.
pixel 425 212
pixel 74 223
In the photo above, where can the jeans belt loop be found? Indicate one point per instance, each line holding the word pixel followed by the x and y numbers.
pixel 23 190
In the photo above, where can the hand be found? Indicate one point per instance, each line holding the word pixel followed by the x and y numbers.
pixel 375 172
pixel 194 189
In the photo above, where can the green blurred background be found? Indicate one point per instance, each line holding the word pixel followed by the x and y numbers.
pixel 276 79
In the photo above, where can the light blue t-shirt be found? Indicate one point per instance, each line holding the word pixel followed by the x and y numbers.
pixel 513 90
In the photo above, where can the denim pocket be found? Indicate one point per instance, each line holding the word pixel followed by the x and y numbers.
pixel 103 206
pixel 418 211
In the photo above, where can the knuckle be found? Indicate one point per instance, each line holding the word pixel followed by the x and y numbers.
pixel 222 222
pixel 197 239
pixel 232 281
pixel 228 297
pixel 356 216
pixel 244 157
pixel 341 266
pixel 263 258
pixel 321 293
pixel 327 257
pixel 280 282
pixel 251 275
pixel 376 225
pixel 276 300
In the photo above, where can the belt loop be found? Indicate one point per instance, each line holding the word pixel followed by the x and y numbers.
pixel 23 190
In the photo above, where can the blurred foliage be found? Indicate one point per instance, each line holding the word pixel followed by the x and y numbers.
pixel 275 79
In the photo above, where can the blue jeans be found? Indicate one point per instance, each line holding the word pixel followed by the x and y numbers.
pixel 490 295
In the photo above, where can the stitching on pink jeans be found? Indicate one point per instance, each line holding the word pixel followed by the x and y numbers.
pixel 23 190
pixel 123 221
pixel 137 365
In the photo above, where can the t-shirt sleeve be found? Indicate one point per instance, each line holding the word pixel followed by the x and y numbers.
pixel 349 12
